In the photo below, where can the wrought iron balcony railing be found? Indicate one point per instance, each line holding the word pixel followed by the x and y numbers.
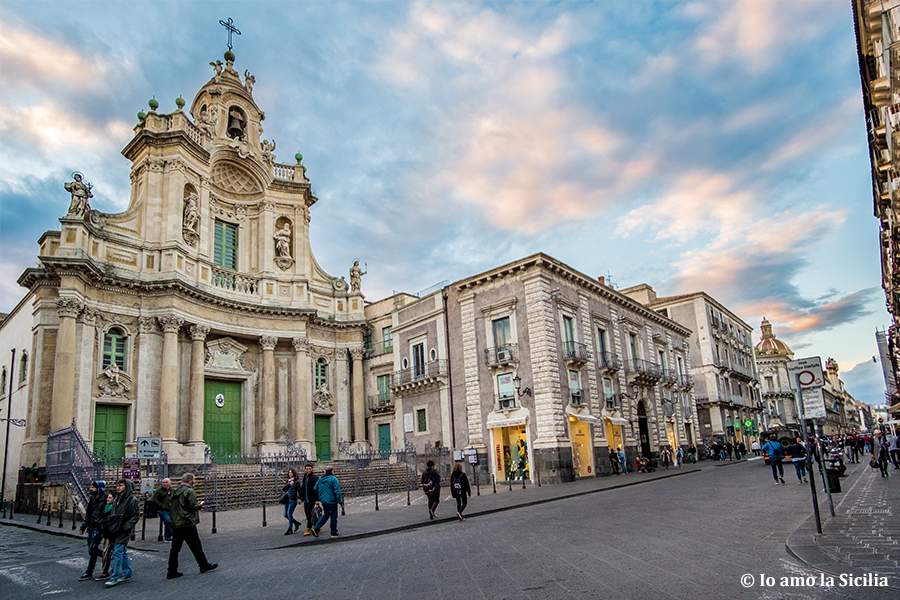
pixel 642 367
pixel 686 381
pixel 380 402
pixel 435 368
pixel 575 351
pixel 501 355
pixel 609 360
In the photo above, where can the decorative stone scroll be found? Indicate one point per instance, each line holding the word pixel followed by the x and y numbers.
pixel 323 399
pixel 225 353
pixel 113 382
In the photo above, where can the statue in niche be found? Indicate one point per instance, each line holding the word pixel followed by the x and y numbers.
pixel 356 276
pixel 268 148
pixel 249 80
pixel 191 219
pixel 208 120
pixel 81 193
pixel 283 241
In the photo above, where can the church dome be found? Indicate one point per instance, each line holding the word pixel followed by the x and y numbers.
pixel 769 343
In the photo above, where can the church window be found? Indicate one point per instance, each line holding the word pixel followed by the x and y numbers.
pixel 23 368
pixel 388 339
pixel 114 348
pixel 321 373
pixel 225 245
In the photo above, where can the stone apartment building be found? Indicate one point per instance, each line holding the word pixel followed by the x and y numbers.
pixel 726 383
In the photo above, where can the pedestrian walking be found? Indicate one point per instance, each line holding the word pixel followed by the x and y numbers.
pixel 692 454
pixel 459 489
pixel 741 450
pixel 622 461
pixel 431 485
pixel 93 525
pixel 292 490
pixel 309 496
pixel 776 453
pixel 162 498
pixel 880 452
pixel 108 536
pixel 125 514
pixel 797 452
pixel 894 450
pixel 754 445
pixel 666 456
pixel 614 461
pixel 329 490
pixel 185 518
pixel 679 456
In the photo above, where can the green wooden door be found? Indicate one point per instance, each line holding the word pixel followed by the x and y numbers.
pixel 323 438
pixel 222 416
pixel 384 438
pixel 110 428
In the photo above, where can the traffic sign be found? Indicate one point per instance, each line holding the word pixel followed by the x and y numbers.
pixel 813 403
pixel 808 371
pixel 472 454
pixel 149 447
pixel 131 468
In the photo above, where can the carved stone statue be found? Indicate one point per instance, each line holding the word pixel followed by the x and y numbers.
pixel 249 80
pixel 356 276
pixel 217 66
pixel 283 241
pixel 208 120
pixel 113 384
pixel 268 148
pixel 191 212
pixel 81 192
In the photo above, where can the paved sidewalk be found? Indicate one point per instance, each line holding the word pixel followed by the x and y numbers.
pixel 243 530
pixel 864 535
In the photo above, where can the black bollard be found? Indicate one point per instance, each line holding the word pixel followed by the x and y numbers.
pixel 159 537
pixel 60 506
pixel 40 514
pixel 214 520
pixel 523 481
pixel 3 510
pixel 376 499
pixel 264 513
pixel 407 495
pixel 494 483
pixel 73 516
pixel 509 481
pixel 144 520
pixel 477 486
pixel 49 510
pixel 12 504
pixel 342 510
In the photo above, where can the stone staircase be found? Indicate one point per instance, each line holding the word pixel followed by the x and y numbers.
pixel 243 486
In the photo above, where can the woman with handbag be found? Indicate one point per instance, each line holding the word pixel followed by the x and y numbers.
pixel 291 491
pixel 879 453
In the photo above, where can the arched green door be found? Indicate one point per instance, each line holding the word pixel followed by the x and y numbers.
pixel 222 416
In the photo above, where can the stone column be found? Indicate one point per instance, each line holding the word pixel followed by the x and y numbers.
pixel 198 360
pixel 62 406
pixel 341 394
pixel 168 384
pixel 302 406
pixel 268 343
pixel 359 398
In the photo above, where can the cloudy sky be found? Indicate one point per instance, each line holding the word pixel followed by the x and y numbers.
pixel 716 146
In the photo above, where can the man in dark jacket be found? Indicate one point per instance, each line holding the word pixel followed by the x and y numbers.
pixel 162 498
pixel 93 521
pixel 126 512
pixel 185 517
pixel 309 496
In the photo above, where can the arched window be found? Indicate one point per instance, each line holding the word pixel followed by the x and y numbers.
pixel 23 368
pixel 114 348
pixel 321 373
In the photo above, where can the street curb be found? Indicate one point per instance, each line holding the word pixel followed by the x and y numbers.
pixel 68 534
pixel 803 544
pixel 421 524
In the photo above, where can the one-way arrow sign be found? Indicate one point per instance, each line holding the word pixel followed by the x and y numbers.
pixel 149 447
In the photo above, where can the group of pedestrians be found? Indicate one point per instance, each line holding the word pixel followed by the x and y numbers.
pixel 459 488
pixel 320 497
pixel 112 517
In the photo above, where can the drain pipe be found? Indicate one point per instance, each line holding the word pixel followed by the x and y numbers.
pixel 449 372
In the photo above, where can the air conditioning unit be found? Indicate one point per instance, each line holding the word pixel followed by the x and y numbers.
pixel 507 403
pixel 576 398
pixel 504 355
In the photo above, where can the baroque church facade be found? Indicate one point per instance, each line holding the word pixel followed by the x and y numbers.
pixel 199 314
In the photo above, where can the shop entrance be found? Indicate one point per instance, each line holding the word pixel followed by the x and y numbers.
pixel 644 430
pixel 582 456
pixel 512 459
pixel 613 436
pixel 670 433
pixel 688 434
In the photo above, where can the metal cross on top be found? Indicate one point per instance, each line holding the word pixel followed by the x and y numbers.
pixel 229 25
